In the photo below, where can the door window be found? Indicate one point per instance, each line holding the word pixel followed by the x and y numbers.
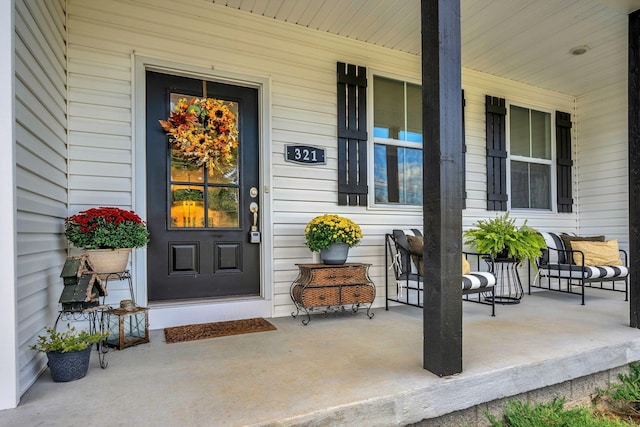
pixel 204 196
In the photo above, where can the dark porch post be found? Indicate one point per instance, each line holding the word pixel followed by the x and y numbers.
pixel 634 167
pixel 442 186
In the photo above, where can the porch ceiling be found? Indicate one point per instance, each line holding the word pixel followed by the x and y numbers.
pixel 523 40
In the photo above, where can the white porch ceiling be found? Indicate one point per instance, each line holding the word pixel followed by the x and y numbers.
pixel 523 40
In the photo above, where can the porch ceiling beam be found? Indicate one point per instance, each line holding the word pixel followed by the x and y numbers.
pixel 442 185
pixel 634 168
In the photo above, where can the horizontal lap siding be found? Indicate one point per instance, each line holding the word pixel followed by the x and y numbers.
pixel 41 172
pixel 603 174
pixel 301 65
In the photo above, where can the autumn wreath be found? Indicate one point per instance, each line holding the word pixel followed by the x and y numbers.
pixel 203 131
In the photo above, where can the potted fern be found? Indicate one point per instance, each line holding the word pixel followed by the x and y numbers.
pixel 503 239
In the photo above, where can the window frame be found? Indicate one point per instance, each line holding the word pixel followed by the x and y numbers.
pixel 372 140
pixel 551 162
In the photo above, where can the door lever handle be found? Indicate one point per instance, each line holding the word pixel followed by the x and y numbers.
pixel 253 208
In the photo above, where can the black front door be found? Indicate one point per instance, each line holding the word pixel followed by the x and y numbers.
pixel 199 217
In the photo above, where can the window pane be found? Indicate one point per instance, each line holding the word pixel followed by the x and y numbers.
pixel 388 107
pixel 183 170
pixel 540 135
pixel 519 185
pixel 410 176
pixel 540 184
pixel 397 175
pixel 223 207
pixel 380 173
pixel 530 186
pixel 227 170
pixel 519 128
pixel 187 206
pixel 414 114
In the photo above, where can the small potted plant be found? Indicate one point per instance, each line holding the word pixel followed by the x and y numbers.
pixel 332 235
pixel 501 238
pixel 68 352
pixel 107 234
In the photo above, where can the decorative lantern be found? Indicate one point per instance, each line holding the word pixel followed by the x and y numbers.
pixel 127 326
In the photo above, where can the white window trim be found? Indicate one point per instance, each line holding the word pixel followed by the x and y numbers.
pixel 372 205
pixel 551 162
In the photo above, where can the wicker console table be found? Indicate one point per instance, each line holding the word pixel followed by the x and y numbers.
pixel 332 287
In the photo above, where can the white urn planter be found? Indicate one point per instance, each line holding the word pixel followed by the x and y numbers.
pixel 105 261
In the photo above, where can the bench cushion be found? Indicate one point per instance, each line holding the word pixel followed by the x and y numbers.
pixel 573 271
pixel 478 280
pixel 473 280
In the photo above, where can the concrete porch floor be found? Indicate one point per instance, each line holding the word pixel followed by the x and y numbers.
pixel 341 371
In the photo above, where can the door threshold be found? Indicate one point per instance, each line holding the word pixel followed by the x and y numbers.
pixel 202 301
pixel 185 312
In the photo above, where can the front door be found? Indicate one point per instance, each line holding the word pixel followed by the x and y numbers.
pixel 200 216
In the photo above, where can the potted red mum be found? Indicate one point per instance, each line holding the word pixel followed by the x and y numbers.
pixel 107 234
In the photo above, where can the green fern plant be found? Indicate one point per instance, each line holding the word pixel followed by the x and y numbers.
pixel 502 238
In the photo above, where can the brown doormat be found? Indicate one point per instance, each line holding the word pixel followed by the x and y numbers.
pixel 217 329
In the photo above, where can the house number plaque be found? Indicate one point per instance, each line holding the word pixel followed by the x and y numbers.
pixel 305 155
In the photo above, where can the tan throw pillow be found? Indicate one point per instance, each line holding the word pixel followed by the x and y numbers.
pixel 597 253
pixel 567 239
pixel 416 244
pixel 466 267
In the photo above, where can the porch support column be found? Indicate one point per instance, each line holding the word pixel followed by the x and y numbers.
pixel 442 185
pixel 634 168
pixel 9 393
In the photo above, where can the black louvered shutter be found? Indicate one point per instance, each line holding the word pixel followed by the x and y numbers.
pixel 352 135
pixel 496 115
pixel 563 161
pixel 464 158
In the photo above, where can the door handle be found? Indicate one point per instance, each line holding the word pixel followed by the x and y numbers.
pixel 254 234
pixel 253 208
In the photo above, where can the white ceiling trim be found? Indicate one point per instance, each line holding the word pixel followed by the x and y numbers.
pixel 524 40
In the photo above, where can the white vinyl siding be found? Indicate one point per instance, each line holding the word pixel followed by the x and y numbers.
pixel 603 172
pixel 41 172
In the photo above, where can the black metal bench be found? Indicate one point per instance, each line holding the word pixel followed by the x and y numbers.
pixel 558 273
pixel 408 286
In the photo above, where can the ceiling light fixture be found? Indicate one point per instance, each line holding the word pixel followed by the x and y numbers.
pixel 579 50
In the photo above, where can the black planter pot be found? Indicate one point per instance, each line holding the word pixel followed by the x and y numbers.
pixel 69 366
pixel 504 254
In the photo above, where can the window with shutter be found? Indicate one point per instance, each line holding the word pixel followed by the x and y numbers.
pixel 563 161
pixel 496 114
pixel 352 135
pixel 529 162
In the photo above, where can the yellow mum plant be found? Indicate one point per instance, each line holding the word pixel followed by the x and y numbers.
pixel 326 229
